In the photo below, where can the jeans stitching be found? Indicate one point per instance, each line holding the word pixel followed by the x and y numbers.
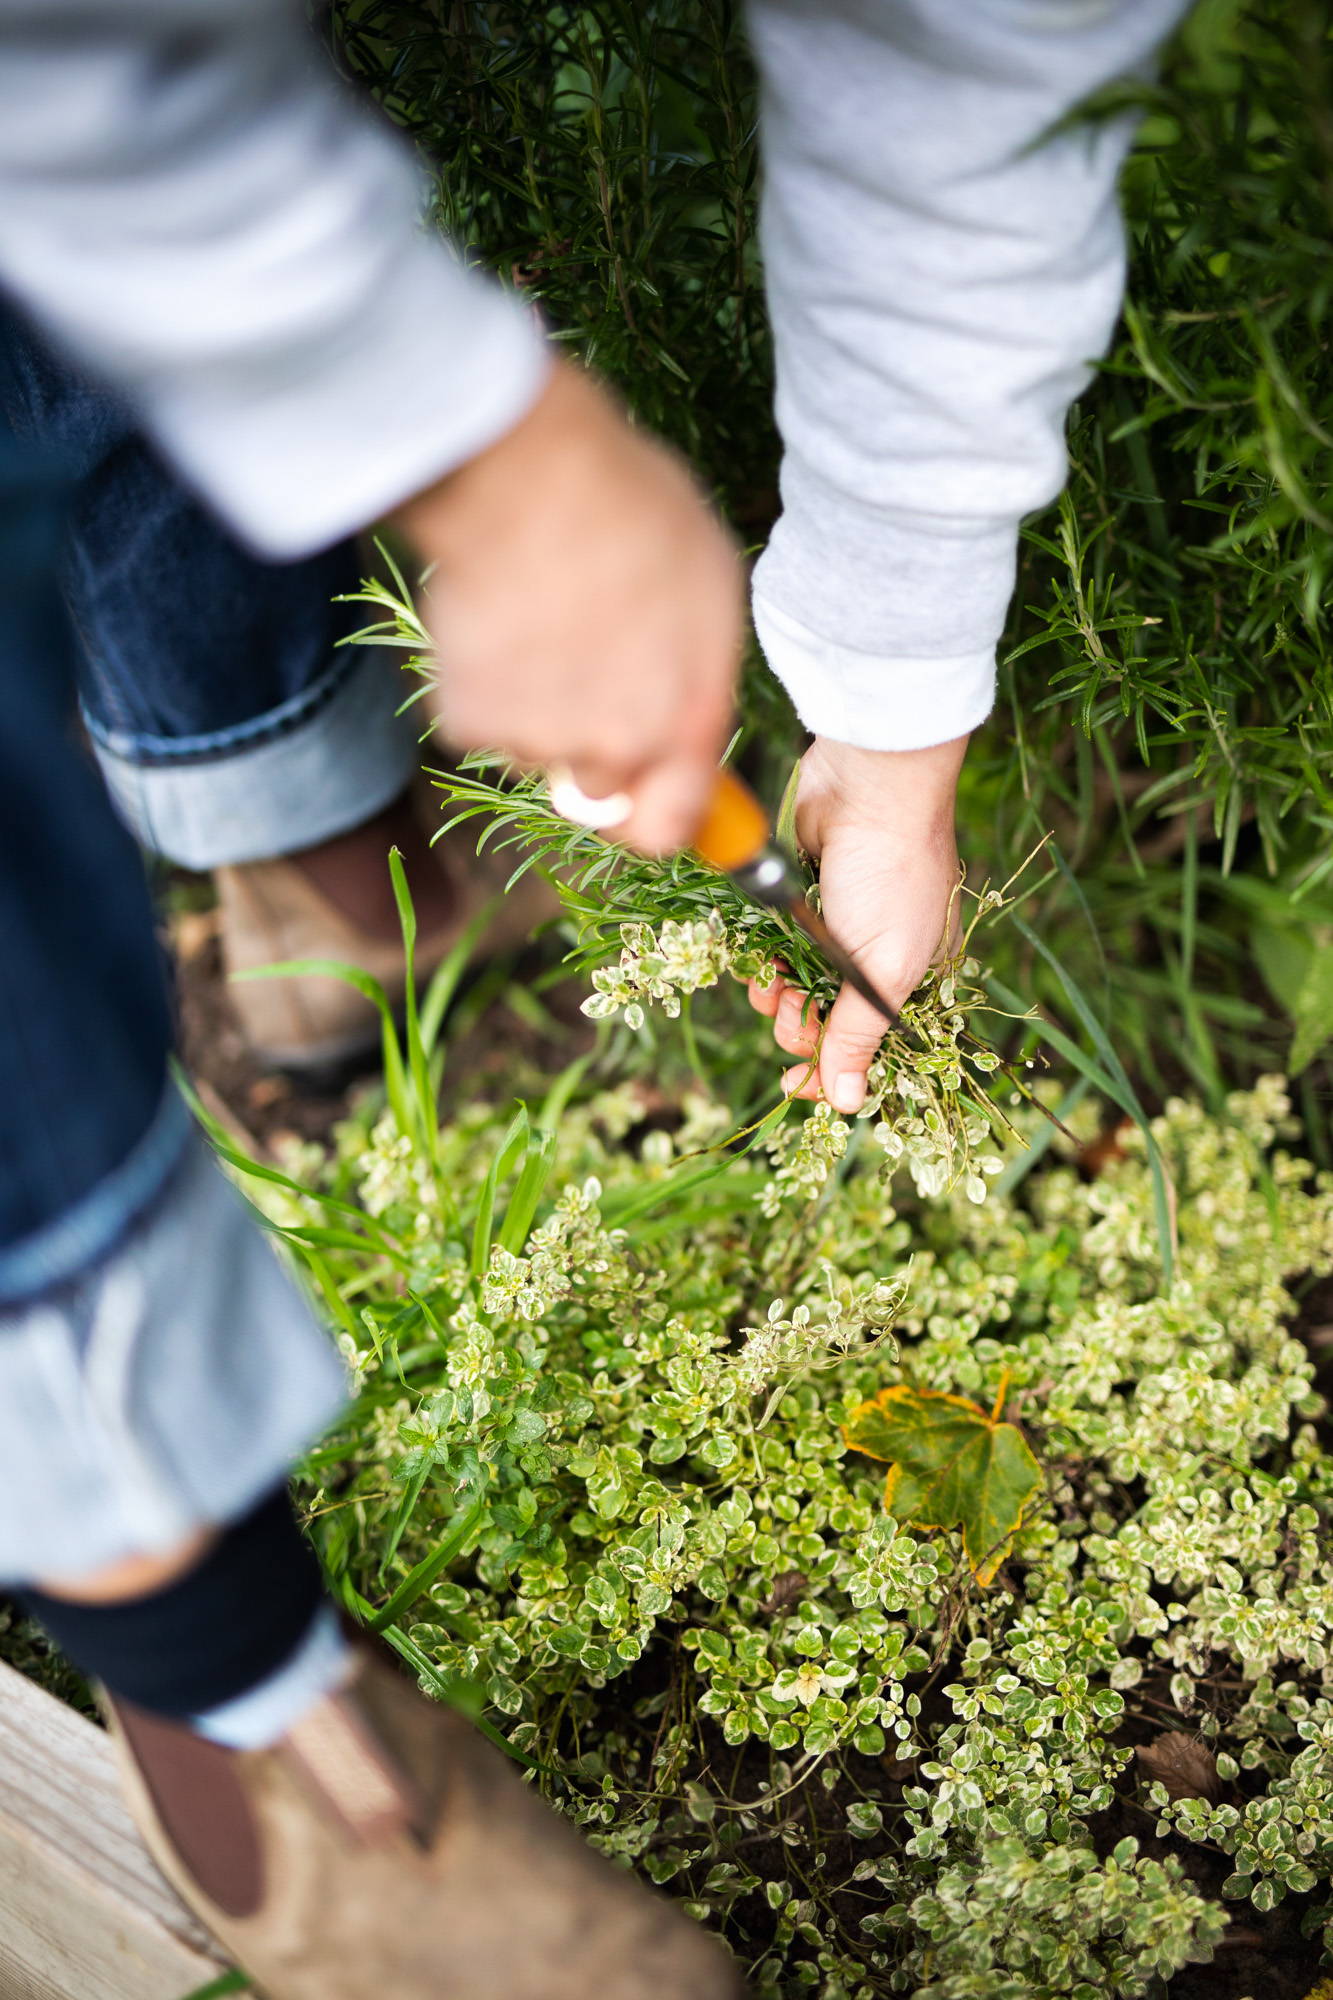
pixel 136 747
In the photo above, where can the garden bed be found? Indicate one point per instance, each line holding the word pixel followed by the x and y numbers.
pixel 593 1489
pixel 609 1318
pixel 596 1489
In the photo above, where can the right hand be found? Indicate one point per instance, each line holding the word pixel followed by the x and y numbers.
pixel 588 607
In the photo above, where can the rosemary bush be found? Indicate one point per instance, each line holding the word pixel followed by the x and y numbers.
pixel 1166 703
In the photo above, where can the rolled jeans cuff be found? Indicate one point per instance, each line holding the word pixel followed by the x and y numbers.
pixel 324 762
pixel 163 1391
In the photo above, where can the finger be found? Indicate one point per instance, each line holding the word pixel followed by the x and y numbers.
pixel 796 1023
pixel 801 1081
pixel 851 1040
pixel 602 776
pixel 668 803
pixel 765 999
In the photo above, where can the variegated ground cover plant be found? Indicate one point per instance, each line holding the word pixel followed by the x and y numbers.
pixel 596 1485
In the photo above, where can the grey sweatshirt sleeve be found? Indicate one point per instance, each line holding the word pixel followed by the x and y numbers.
pixel 190 202
pixel 942 268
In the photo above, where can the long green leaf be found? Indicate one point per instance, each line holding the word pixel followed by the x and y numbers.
pixel 421 1577
pixel 506 1157
pixel 1123 1093
pixel 1018 1169
pixel 395 1075
pixel 406 1509
pixel 456 1694
pixel 426 1123
pixel 561 1091
pixel 448 975
pixel 224 1145
pixel 528 1191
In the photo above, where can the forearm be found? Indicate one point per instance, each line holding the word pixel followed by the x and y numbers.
pixel 189 201
pixel 942 268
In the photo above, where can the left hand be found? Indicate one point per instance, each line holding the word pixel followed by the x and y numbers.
pixel 880 823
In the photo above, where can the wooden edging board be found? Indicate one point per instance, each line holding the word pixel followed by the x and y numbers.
pixel 84 1915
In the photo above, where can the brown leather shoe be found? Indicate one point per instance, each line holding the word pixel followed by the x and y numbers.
pixel 303 906
pixel 382 1850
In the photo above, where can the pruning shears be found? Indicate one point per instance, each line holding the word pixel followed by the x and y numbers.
pixel 736 838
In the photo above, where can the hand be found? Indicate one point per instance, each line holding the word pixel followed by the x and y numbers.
pixel 881 825
pixel 588 607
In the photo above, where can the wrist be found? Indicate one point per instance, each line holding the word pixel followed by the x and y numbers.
pixel 446 517
pixel 905 796
pixel 914 787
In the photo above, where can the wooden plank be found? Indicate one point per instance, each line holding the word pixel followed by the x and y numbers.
pixel 84 1915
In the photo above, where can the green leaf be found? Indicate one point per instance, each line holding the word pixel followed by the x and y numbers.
pixel 508 1153
pixel 230 1982
pixel 407 1507
pixel 528 1191
pixel 420 1579
pixel 1297 965
pixel 1113 1078
pixel 950 1465
pixel 395 1075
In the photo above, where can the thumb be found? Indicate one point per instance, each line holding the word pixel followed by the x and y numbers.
pixel 670 800
pixel 854 1033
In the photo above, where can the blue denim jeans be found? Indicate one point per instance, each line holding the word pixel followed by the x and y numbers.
pixel 158 1366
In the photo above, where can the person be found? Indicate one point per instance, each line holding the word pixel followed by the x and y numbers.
pixel 196 217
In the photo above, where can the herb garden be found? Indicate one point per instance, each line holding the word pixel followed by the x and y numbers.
pixel 907 1539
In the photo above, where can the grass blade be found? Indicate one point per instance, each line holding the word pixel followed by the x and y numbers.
pixel 1018 1169
pixel 406 1509
pixel 507 1154
pixel 448 975
pixel 395 1076
pixel 528 1192
pixel 1122 1092
pixel 421 1577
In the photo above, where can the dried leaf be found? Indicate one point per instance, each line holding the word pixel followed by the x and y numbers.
pixel 951 1464
pixel 1109 1145
pixel 789 1588
pixel 1183 1764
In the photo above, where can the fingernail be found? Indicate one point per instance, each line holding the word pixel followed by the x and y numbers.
pixel 849 1091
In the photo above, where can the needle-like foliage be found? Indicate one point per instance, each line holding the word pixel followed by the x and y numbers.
pixel 1166 706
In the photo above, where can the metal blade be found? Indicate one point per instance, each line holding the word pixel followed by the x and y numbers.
pixel 818 931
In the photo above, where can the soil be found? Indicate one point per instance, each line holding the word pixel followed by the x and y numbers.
pixel 1314 1326
pixel 257 1104
pixel 1261 1956
pixel 254 1102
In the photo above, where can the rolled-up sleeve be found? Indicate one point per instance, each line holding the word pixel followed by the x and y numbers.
pixel 944 260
